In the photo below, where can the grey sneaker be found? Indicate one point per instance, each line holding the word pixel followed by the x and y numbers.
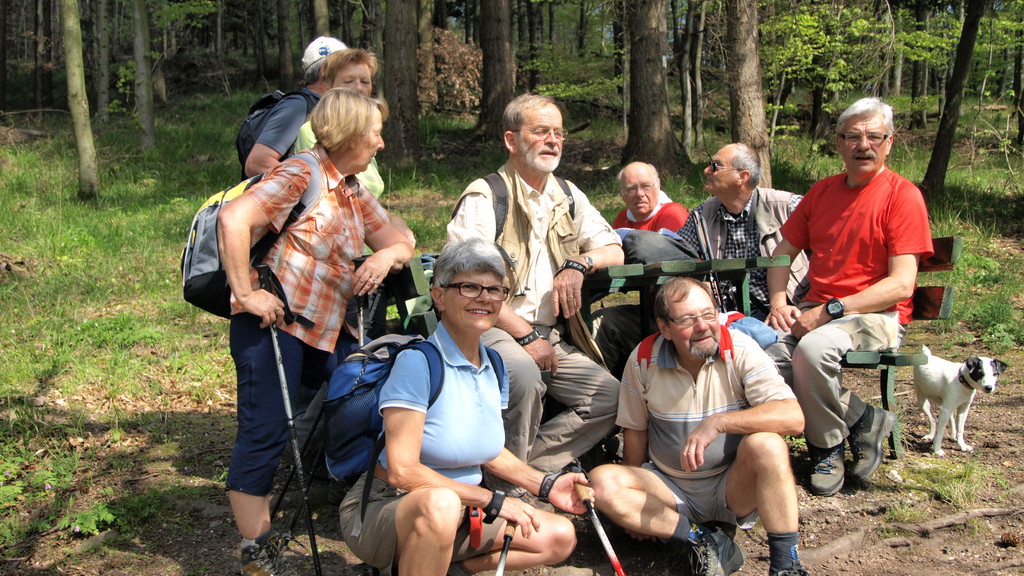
pixel 712 552
pixel 522 494
pixel 867 442
pixel 829 470
pixel 796 570
pixel 265 559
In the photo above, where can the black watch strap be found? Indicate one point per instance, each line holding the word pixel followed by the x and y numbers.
pixel 534 335
pixel 493 507
pixel 547 483
pixel 574 265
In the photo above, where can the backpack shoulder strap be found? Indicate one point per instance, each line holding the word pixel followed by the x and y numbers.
pixel 435 369
pixel 496 362
pixel 568 195
pixel 646 350
pixel 499 197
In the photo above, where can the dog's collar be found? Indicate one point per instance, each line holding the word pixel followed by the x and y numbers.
pixel 966 380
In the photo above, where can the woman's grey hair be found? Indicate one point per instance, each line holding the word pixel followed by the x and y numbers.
pixel 465 257
pixel 867 108
pixel 746 158
pixel 515 112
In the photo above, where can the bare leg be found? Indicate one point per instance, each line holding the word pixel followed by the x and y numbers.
pixel 635 499
pixel 550 544
pixel 762 461
pixel 252 513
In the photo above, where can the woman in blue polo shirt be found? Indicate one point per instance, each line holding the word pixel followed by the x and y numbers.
pixel 427 482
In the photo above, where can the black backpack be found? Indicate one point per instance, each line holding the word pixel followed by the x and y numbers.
pixel 257 118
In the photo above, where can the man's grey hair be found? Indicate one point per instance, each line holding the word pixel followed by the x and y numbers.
pixel 867 108
pixel 650 166
pixel 473 255
pixel 746 158
pixel 312 74
pixel 515 112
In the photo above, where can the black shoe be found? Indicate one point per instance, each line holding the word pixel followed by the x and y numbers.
pixel 866 442
pixel 264 558
pixel 795 570
pixel 712 552
pixel 829 470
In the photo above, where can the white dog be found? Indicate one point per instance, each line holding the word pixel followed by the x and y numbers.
pixel 952 387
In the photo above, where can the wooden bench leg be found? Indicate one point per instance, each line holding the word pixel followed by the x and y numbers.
pixel 887 382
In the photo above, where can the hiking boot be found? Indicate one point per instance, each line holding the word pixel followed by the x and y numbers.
pixel 712 552
pixel 264 558
pixel 795 570
pixel 866 441
pixel 828 475
pixel 522 494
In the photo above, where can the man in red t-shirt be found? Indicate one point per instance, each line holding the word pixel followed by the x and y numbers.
pixel 647 207
pixel 867 229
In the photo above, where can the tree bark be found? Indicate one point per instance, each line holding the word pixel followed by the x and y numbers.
pixel 650 137
pixel 935 175
pixel 919 72
pixel 696 57
pixel 3 54
pixel 78 102
pixel 321 19
pixel 1018 86
pixel 401 131
pixel 284 45
pixel 425 55
pixel 743 68
pixel 498 70
pixel 102 82
pixel 143 74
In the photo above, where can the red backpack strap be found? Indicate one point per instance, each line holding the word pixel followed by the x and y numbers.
pixel 731 317
pixel 725 344
pixel 645 350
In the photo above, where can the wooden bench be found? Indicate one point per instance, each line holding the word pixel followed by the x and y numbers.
pixel 930 303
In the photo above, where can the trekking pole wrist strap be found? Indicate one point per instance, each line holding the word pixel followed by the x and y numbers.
pixel 547 483
pixel 493 507
pixel 573 265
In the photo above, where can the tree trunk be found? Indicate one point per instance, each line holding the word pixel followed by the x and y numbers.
pixel 498 71
pixel 401 131
pixel 1018 86
pixel 619 43
pixel 682 41
pixel 321 19
pixel 696 57
pixel 3 54
pixel 284 45
pixel 425 55
pixel 535 24
pixel 650 137
pixel 919 74
pixel 935 175
pixel 743 68
pixel 143 74
pixel 348 10
pixel 441 14
pixel 581 30
pixel 78 103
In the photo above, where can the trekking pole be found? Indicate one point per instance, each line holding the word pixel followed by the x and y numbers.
pixel 510 529
pixel 616 565
pixel 705 247
pixel 293 435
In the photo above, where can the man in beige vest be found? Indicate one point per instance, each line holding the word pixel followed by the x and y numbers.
pixel 551 237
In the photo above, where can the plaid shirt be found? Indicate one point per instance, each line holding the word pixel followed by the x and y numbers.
pixel 742 241
pixel 314 257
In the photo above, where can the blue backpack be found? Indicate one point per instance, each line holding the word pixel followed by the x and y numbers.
pixel 353 426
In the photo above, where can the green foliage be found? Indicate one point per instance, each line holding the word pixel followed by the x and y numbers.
pixel 87 522
pixel 958 484
pixel 183 13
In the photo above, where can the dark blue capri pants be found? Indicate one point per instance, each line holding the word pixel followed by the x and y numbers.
pixel 262 423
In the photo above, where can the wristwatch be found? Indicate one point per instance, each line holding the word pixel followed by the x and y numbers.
pixel 835 308
pixel 590 263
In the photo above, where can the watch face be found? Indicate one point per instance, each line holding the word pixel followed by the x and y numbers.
pixel 834 308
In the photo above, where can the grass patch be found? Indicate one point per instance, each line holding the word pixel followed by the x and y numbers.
pixel 959 484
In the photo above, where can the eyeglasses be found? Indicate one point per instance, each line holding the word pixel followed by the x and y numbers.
pixel 473 290
pixel 711 317
pixel 634 189
pixel 542 133
pixel 874 138
pixel 715 167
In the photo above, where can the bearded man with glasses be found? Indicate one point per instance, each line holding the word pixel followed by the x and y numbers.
pixel 866 230
pixel 551 238
pixel 703 411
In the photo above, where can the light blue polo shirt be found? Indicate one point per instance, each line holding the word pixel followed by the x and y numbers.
pixel 463 428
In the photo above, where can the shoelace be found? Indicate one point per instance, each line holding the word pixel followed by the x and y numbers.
pixel 827 465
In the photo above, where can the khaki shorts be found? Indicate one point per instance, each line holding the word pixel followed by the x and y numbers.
pixel 377 538
pixel 703 500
